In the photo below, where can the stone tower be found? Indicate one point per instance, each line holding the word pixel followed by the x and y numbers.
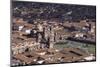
pixel 51 42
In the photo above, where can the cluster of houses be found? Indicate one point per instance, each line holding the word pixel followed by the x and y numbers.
pixel 42 35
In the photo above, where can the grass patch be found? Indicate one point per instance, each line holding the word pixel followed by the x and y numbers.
pixel 87 47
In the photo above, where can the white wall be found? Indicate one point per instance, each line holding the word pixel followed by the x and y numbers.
pixel 5 33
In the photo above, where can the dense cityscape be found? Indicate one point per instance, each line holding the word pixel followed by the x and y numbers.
pixel 49 33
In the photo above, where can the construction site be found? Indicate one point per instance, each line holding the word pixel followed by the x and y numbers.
pixel 50 41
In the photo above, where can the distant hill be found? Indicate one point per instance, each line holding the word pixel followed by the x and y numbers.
pixel 33 10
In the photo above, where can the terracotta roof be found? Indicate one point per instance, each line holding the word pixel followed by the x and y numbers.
pixel 23 58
